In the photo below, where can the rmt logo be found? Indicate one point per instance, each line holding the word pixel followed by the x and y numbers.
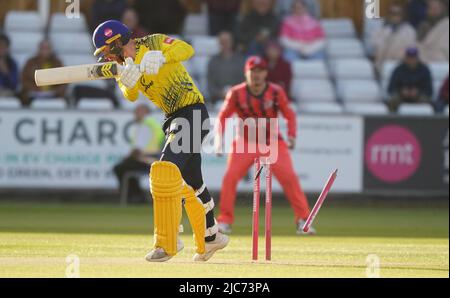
pixel 392 154
pixel 372 9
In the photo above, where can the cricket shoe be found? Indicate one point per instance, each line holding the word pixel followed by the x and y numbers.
pixel 159 254
pixel 220 242
pixel 301 223
pixel 224 228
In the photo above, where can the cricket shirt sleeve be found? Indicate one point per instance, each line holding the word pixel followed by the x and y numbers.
pixel 175 50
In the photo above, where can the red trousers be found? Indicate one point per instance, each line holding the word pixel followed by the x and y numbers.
pixel 238 166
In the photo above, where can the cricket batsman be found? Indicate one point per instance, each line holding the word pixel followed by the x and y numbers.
pixel 153 66
pixel 258 99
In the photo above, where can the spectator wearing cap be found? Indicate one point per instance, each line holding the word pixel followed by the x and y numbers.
pixel 411 81
pixel 301 35
pixel 392 39
pixel 9 72
pixel 433 33
pixel 257 27
pixel 222 15
pixel 45 58
pixel 284 7
pixel 230 63
pixel 280 71
pixel 131 20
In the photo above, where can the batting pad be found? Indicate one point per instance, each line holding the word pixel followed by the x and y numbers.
pixel 196 214
pixel 166 187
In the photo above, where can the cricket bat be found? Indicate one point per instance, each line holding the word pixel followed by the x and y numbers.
pixel 77 73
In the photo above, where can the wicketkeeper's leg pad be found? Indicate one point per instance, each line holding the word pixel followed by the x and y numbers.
pixel 196 214
pixel 166 184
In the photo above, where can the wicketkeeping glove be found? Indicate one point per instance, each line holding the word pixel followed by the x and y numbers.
pixel 130 74
pixel 152 62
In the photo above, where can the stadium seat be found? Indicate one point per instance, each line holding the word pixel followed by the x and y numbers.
pixel 95 104
pixel 9 103
pixel 352 69
pixel 439 71
pixel 345 48
pixel 386 73
pixel 321 108
pixel 338 28
pixel 367 108
pixel 49 104
pixel 358 90
pixel 313 91
pixel 415 109
pixel 200 66
pixel 370 25
pixel 310 69
pixel 59 22
pixel 23 21
pixel 25 42
pixel 73 43
pixel 195 24
pixel 205 45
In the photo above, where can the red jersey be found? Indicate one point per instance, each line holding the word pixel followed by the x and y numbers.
pixel 242 102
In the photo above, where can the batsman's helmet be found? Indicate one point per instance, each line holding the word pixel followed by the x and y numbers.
pixel 107 32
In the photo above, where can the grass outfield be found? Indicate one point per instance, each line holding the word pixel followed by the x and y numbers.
pixel 111 242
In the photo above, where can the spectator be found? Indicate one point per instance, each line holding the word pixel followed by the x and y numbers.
pixel 417 11
pixel 222 15
pixel 258 26
pixel 284 7
pixel 410 82
pixel 301 35
pixel 230 65
pixel 9 72
pixel 103 10
pixel 391 40
pixel 162 16
pixel 280 71
pixel 131 20
pixel 45 58
pixel 433 33
pixel 146 145
pixel 442 100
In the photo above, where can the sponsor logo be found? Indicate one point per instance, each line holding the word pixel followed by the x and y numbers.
pixel 108 32
pixel 169 40
pixel 393 153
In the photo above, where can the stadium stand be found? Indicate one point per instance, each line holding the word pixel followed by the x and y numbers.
pixel 321 108
pixel 369 108
pixel 358 90
pixel 9 103
pixel 339 28
pixel 49 104
pixel 23 21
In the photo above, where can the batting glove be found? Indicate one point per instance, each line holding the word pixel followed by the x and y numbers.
pixel 152 62
pixel 130 74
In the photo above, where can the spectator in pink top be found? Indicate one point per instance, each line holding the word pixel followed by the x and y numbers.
pixel 301 35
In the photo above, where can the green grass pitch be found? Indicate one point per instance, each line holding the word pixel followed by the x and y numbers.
pixel 110 241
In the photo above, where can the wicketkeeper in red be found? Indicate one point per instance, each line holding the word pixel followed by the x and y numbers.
pixel 261 100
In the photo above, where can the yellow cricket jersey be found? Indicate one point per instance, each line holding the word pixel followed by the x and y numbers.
pixel 172 88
